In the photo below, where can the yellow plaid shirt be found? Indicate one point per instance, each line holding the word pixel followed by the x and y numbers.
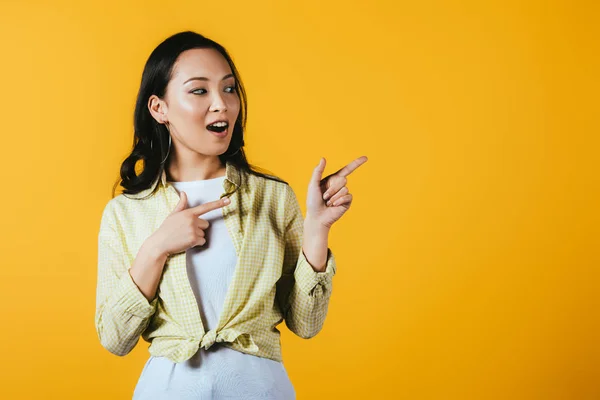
pixel 272 282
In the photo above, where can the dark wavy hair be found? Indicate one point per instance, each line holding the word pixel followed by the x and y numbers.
pixel 155 77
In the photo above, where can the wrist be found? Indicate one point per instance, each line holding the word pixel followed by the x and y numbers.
pixel 153 249
pixel 315 227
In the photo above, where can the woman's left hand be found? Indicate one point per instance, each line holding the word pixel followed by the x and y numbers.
pixel 329 198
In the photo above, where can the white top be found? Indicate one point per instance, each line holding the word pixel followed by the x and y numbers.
pixel 219 372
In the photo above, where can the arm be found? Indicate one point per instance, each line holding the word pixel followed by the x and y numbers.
pixel 302 292
pixel 122 310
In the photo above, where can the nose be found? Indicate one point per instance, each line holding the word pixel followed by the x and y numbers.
pixel 218 104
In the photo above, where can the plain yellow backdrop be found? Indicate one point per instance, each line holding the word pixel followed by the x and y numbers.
pixel 468 262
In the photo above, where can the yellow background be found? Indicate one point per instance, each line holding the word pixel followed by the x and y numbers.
pixel 468 262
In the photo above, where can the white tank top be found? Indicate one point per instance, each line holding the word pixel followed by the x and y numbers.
pixel 219 372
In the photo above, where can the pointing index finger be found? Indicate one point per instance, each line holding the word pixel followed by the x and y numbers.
pixel 211 205
pixel 348 169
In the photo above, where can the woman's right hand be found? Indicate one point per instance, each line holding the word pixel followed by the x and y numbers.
pixel 182 229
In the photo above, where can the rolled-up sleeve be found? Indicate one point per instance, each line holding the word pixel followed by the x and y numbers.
pixel 122 310
pixel 302 293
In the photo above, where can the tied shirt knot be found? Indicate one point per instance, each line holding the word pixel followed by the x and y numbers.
pixel 228 335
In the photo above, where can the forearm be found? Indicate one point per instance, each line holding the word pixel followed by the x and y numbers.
pixel 315 243
pixel 124 306
pixel 147 268
pixel 309 297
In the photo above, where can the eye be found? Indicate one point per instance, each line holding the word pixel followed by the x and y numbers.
pixel 229 89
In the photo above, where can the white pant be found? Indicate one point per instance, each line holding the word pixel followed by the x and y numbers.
pixel 216 373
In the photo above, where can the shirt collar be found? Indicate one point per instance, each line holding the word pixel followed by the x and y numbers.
pixel 233 180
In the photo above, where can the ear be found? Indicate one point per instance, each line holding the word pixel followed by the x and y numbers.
pixel 158 109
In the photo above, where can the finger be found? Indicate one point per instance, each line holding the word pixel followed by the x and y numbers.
pixel 202 223
pixel 336 185
pixel 182 204
pixel 211 205
pixel 348 169
pixel 318 171
pixel 343 200
pixel 343 191
pixel 200 232
pixel 201 241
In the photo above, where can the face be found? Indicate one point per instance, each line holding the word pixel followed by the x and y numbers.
pixel 201 91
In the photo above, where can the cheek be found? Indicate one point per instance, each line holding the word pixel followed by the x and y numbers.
pixel 188 104
pixel 193 110
pixel 234 105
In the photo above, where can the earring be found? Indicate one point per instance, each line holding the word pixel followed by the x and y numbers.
pixel 168 150
pixel 239 148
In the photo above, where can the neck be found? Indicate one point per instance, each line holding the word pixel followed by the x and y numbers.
pixel 207 168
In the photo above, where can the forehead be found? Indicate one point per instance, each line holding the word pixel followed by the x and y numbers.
pixel 200 62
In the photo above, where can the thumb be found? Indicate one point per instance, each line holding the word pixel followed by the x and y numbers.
pixel 318 171
pixel 182 204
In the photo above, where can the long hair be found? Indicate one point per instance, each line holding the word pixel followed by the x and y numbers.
pixel 151 138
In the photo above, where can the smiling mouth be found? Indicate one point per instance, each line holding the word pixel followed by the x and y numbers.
pixel 218 128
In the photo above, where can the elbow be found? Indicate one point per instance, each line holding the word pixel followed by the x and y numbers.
pixel 115 347
pixel 306 334
pixel 303 331
pixel 112 340
pixel 306 324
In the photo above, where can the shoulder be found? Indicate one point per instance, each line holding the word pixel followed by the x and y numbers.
pixel 275 197
pixel 270 187
pixel 121 207
pixel 111 211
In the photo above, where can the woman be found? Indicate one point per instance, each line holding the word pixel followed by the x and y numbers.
pixel 203 275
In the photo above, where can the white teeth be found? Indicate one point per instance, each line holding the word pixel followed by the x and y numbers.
pixel 219 124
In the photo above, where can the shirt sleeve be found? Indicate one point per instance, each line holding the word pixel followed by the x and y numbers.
pixel 302 293
pixel 122 310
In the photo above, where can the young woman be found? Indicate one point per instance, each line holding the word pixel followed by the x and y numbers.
pixel 202 255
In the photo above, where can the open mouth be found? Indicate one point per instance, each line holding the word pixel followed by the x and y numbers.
pixel 218 127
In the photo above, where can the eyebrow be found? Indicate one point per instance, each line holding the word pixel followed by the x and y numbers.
pixel 202 78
